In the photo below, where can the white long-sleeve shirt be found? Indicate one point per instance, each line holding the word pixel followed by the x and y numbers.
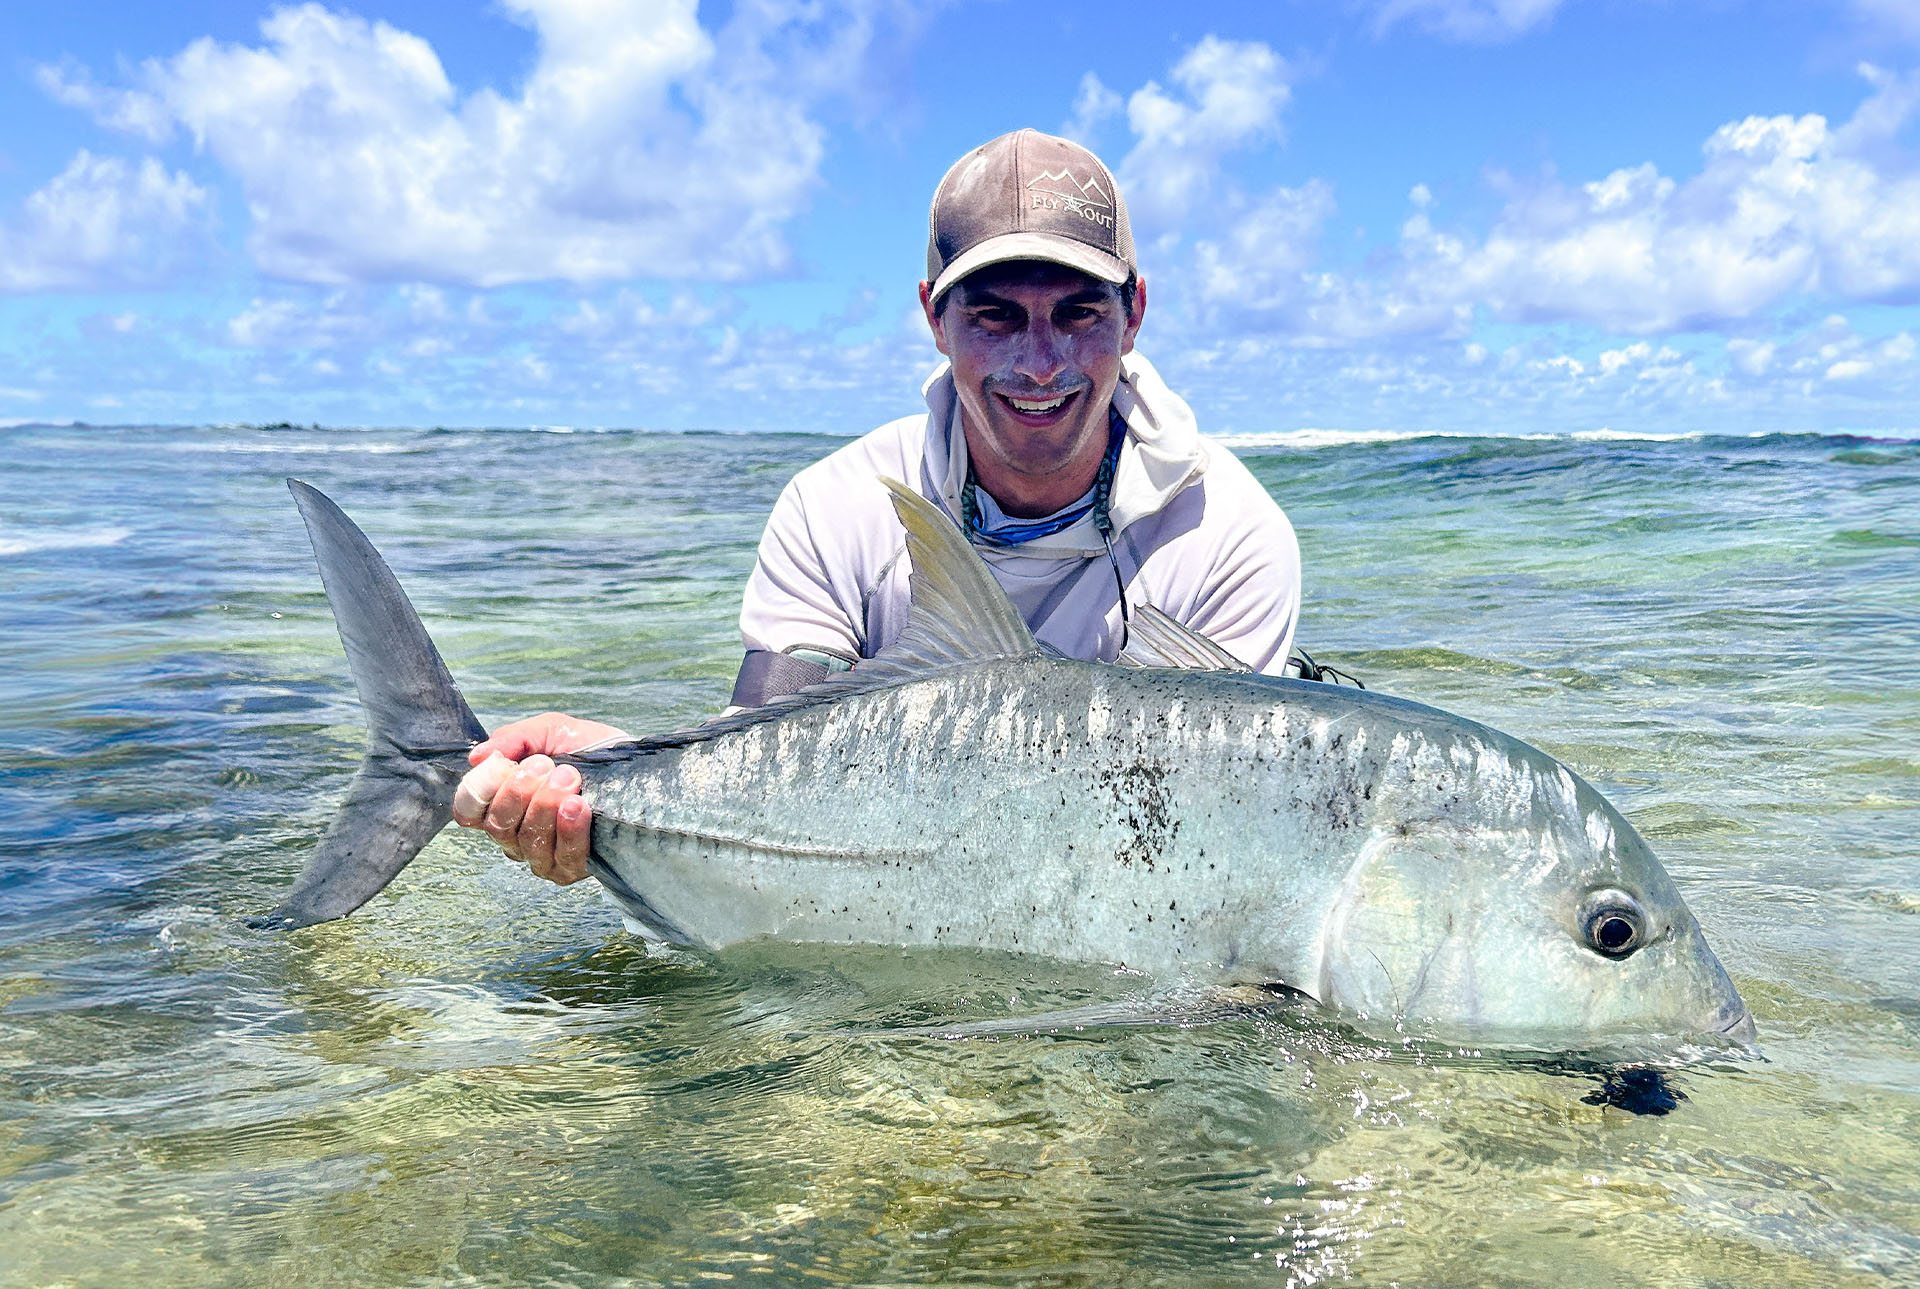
pixel 1195 535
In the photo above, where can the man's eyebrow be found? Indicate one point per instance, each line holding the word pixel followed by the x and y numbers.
pixel 980 297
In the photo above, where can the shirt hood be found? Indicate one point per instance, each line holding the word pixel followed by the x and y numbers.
pixel 1162 454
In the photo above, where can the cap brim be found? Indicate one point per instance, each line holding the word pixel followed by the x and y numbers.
pixel 1033 246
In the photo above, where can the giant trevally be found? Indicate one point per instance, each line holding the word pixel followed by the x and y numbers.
pixel 967 787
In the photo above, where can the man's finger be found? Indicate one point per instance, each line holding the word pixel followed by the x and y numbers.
pixel 572 838
pixel 537 826
pixel 477 789
pixel 509 805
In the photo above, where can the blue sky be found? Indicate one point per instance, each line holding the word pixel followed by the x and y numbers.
pixel 1512 216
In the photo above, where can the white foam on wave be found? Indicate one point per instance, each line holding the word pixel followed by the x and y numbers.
pixel 1312 438
pixel 25 541
pixel 1309 439
pixel 1605 435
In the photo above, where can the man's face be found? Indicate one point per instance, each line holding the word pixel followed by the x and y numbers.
pixel 1035 350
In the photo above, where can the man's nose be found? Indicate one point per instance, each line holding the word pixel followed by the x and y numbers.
pixel 1041 355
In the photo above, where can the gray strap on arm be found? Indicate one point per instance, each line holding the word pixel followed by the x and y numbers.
pixel 766 675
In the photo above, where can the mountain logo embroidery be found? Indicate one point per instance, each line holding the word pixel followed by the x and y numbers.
pixel 1059 190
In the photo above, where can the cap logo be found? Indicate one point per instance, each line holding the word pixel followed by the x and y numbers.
pixel 1059 190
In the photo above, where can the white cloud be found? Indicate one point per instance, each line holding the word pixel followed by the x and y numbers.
pixel 1752 357
pixel 1782 208
pixel 1613 360
pixel 1897 17
pixel 103 222
pixel 133 111
pixel 1469 20
pixel 266 322
pixel 1260 272
pixel 1829 352
pixel 344 319
pixel 640 144
pixel 1093 103
pixel 1234 93
pixel 1269 248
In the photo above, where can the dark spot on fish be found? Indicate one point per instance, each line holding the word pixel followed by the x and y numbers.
pixel 1637 1090
pixel 1143 803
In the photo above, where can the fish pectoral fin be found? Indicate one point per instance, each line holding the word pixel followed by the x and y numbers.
pixel 1156 640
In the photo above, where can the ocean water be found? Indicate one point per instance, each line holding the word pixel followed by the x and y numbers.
pixel 481 1080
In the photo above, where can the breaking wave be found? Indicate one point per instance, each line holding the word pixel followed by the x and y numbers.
pixel 1312 439
pixel 26 541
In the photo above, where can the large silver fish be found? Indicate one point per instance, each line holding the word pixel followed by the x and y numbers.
pixel 1196 822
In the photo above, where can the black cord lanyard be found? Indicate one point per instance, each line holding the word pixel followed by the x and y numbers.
pixel 1018 534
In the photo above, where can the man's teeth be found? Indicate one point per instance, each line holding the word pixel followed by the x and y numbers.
pixel 1036 408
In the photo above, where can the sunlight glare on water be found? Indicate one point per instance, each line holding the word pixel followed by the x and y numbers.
pixel 479 1080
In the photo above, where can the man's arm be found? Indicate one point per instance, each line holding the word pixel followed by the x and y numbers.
pixel 796 629
pixel 1247 600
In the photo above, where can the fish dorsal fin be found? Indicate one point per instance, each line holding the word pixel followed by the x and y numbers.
pixel 956 611
pixel 1156 640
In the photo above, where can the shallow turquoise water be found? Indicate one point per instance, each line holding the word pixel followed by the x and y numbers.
pixel 477 1080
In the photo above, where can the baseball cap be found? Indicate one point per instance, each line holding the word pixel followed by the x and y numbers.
pixel 1028 196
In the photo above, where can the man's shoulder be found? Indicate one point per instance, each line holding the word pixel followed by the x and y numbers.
pixel 1222 496
pixel 1228 475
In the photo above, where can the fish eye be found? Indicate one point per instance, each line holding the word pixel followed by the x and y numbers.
pixel 1614 926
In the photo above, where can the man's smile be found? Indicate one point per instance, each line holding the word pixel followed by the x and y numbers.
pixel 1038 412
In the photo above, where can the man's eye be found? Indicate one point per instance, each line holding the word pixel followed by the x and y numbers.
pixel 994 317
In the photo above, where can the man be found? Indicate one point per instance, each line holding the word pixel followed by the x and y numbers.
pixel 1079 476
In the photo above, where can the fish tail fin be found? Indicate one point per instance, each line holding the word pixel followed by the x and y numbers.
pixel 419 728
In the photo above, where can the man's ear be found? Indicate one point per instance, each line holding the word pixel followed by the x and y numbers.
pixel 934 322
pixel 1139 311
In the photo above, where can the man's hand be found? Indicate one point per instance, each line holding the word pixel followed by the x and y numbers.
pixel 525 802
